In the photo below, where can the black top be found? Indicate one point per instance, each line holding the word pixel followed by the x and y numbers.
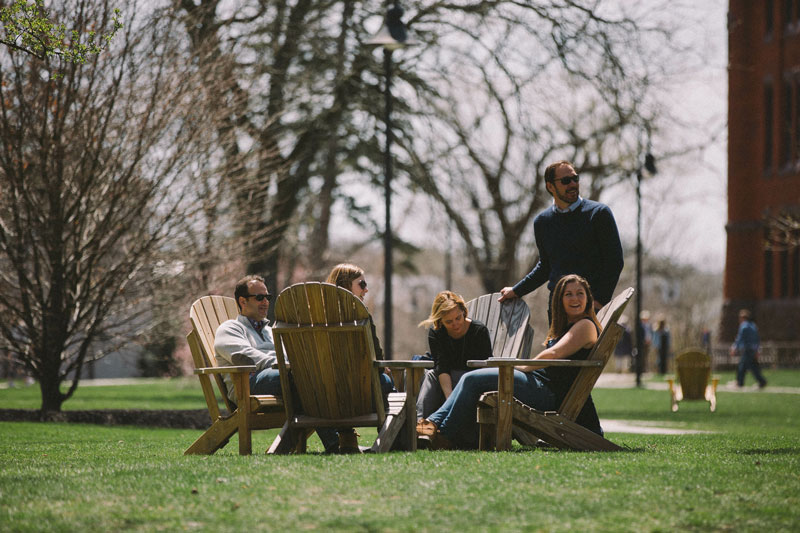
pixel 560 379
pixel 452 354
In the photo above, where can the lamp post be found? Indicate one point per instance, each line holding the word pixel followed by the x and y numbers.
pixel 391 37
pixel 650 166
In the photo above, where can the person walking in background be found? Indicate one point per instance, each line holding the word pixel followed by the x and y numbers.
pixel 647 333
pixel 573 236
pixel 662 342
pixel 623 353
pixel 747 345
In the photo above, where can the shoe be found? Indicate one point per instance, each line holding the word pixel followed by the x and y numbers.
pixel 423 442
pixel 440 442
pixel 762 384
pixel 348 442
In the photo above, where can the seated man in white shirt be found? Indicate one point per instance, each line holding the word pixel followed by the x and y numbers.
pixel 247 340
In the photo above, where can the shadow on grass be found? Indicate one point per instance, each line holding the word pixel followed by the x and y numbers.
pixel 775 451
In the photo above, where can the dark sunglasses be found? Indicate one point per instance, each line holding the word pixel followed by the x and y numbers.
pixel 566 179
pixel 260 297
pixel 362 284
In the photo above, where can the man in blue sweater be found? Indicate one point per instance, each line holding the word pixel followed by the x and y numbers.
pixel 574 236
pixel 747 345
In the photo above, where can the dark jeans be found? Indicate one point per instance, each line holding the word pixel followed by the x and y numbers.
pixel 747 362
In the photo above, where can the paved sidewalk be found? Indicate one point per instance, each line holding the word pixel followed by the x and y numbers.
pixel 613 380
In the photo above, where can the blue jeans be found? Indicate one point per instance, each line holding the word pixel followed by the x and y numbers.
pixel 456 419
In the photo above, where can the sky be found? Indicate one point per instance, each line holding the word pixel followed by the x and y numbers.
pixel 685 205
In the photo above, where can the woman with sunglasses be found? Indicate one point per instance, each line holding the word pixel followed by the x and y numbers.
pixel 453 339
pixel 573 332
pixel 351 277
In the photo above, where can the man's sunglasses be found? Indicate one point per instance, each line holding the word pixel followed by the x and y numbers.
pixel 362 284
pixel 566 179
pixel 260 297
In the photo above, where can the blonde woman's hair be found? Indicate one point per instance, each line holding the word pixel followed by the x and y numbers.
pixel 344 274
pixel 444 302
pixel 559 323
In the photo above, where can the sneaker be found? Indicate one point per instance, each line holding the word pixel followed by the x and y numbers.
pixel 762 384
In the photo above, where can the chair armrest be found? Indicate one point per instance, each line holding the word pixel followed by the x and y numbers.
pixel 226 370
pixel 496 362
pixel 402 363
pixel 275 366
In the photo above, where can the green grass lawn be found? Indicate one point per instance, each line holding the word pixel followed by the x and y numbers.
pixel 744 476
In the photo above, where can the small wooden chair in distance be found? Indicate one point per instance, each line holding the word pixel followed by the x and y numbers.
pixel 694 380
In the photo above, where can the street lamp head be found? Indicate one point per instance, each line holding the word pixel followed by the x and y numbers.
pixel 650 163
pixel 393 34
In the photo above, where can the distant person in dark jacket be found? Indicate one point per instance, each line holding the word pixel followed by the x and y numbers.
pixel 573 236
pixel 747 345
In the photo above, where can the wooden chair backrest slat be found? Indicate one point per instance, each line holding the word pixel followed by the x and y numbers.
pixel 603 348
pixel 205 382
pixel 693 368
pixel 206 314
pixel 332 369
pixel 508 324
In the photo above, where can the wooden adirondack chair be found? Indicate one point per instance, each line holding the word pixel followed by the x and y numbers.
pixel 499 411
pixel 510 330
pixel 256 411
pixel 508 324
pixel 694 380
pixel 325 333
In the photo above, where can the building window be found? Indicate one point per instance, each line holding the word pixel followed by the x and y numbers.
pixel 768 141
pixel 786 123
pixel 767 274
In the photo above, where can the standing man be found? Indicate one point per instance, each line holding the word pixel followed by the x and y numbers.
pixel 247 340
pixel 574 236
pixel 747 345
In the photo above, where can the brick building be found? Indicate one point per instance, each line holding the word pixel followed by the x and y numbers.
pixel 763 165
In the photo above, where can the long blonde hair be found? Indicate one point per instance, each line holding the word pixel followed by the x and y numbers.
pixel 444 302
pixel 560 323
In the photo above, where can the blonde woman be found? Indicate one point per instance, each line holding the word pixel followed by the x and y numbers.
pixel 453 339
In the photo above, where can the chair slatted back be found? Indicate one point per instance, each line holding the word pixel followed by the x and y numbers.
pixel 508 324
pixel 693 368
pixel 206 314
pixel 603 348
pixel 324 332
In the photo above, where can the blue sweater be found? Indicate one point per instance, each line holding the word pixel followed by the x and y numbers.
pixel 584 242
